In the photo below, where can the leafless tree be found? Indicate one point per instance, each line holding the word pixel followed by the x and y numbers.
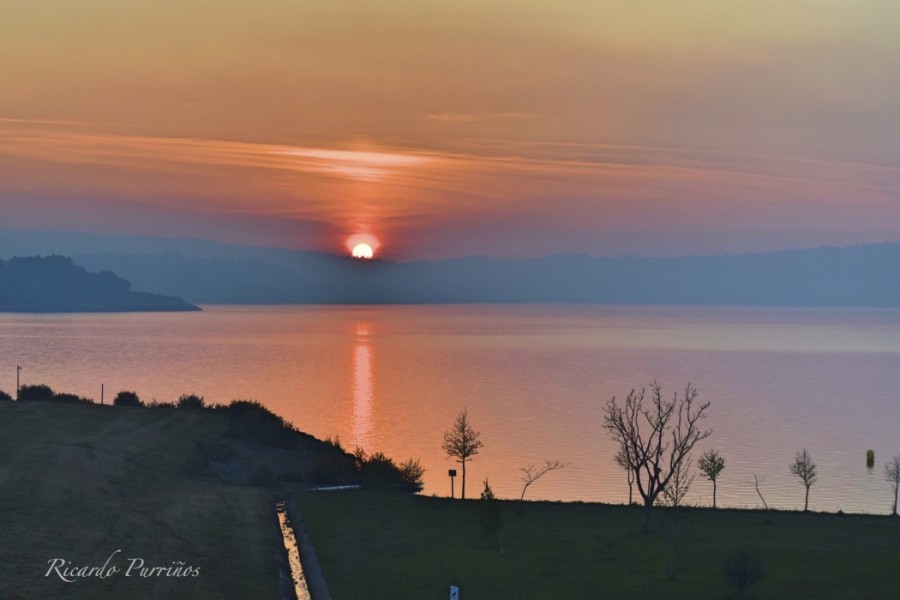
pixel 623 462
pixel 756 482
pixel 531 473
pixel 804 469
pixel 462 443
pixel 655 436
pixel 711 464
pixel 892 474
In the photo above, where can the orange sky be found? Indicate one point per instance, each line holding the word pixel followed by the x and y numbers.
pixel 448 129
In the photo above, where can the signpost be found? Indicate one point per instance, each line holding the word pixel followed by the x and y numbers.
pixel 452 473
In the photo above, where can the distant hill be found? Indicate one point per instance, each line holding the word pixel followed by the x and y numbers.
pixel 206 272
pixel 57 284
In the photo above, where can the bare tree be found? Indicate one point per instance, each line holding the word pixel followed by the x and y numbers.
pixel 711 464
pixel 804 469
pixel 655 436
pixel 623 462
pixel 532 473
pixel 462 443
pixel 756 482
pixel 892 474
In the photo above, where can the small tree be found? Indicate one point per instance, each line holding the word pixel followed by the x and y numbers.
pixel 892 474
pixel 711 464
pixel 490 515
pixel 462 443
pixel 127 399
pixel 623 462
pixel 532 473
pixel 804 469
pixel 655 437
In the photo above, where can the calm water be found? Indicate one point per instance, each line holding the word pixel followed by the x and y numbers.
pixel 534 378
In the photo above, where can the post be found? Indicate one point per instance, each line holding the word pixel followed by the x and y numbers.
pixel 452 474
pixel 101 393
pixel 18 370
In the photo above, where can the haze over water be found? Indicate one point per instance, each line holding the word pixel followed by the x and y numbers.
pixel 534 378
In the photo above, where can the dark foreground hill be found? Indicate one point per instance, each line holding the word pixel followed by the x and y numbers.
pixel 56 284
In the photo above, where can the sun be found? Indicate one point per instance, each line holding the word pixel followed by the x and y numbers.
pixel 362 251
pixel 363 245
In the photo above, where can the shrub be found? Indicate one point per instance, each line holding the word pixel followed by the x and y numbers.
pixel 35 392
pixel 127 399
pixel 190 401
pixel 4 397
pixel 411 475
pixel 333 468
pixel 250 420
pixel 870 458
pixel 742 570
pixel 71 399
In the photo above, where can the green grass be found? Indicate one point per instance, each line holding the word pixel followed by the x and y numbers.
pixel 381 546
pixel 79 482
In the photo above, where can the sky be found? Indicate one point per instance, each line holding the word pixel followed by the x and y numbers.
pixel 514 128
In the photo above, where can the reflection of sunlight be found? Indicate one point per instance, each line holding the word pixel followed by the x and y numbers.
pixel 362 390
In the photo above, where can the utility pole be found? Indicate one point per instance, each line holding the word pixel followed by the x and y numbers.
pixel 18 370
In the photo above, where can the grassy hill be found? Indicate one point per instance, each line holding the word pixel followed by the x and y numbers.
pixel 79 482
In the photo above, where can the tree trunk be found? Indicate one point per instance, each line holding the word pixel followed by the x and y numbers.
pixel 805 502
pixel 463 480
pixel 714 493
pixel 896 489
pixel 645 526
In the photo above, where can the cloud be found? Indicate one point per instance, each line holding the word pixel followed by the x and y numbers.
pixel 455 117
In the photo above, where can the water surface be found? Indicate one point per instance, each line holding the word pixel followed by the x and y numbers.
pixel 534 379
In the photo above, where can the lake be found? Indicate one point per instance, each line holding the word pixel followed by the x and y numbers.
pixel 534 379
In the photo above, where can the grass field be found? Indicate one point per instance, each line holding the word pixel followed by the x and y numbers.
pixel 79 482
pixel 389 546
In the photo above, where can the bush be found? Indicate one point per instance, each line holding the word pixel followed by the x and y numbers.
pixel 333 468
pixel 490 515
pixel 870 458
pixel 250 420
pixel 190 401
pixel 412 475
pixel 71 399
pixel 4 397
pixel 35 392
pixel 743 569
pixel 127 399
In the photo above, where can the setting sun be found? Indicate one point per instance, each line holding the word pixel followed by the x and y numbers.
pixel 362 251
pixel 363 245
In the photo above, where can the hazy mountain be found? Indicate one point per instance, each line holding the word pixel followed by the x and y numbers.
pixel 207 272
pixel 56 284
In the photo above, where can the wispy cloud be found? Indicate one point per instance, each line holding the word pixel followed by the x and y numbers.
pixel 456 117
